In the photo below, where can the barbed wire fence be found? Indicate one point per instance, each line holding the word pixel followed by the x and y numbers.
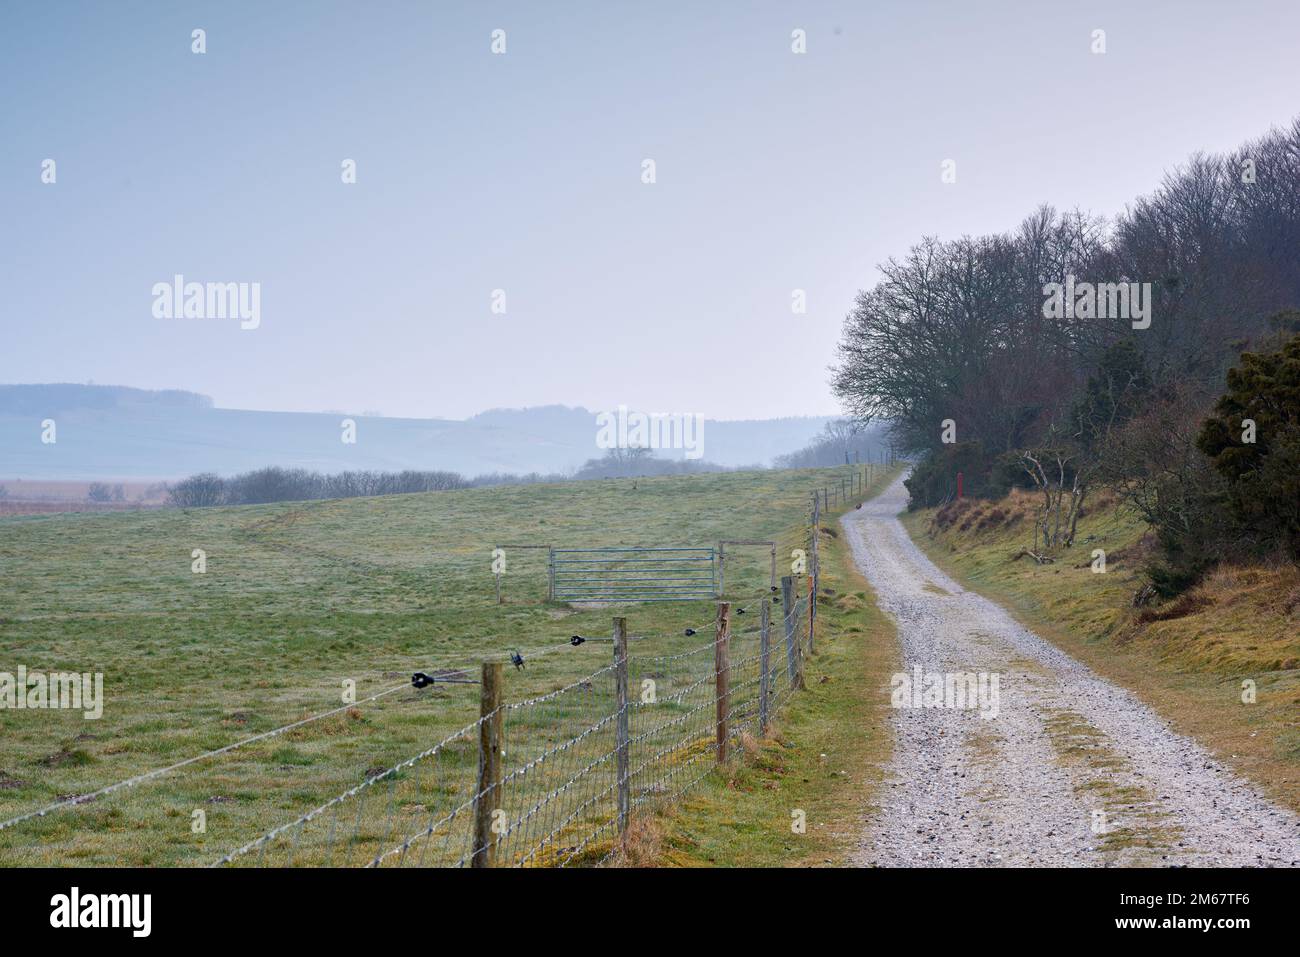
pixel 557 779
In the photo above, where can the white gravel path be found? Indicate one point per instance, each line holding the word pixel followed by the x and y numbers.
pixel 1021 788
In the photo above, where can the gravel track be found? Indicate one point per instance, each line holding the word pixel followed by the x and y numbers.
pixel 1024 788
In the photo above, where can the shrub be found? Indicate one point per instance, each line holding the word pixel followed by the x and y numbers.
pixel 1253 441
pixel 934 479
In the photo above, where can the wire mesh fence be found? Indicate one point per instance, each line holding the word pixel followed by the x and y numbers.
pixel 556 779
pixel 546 771
pixel 574 764
pixel 356 828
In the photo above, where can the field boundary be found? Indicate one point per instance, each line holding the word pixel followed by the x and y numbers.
pixel 631 737
pixel 562 754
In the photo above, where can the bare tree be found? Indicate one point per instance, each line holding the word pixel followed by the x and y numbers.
pixel 198 491
pixel 99 493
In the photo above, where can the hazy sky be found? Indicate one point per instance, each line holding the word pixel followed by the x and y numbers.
pixel 522 172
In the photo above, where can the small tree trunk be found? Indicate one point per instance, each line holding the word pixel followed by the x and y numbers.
pixel 1076 506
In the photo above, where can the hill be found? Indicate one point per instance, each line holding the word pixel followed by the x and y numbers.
pixel 111 432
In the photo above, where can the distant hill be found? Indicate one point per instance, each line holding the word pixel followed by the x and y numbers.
pixel 116 432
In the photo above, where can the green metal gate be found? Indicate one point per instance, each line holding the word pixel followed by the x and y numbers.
pixel 633 574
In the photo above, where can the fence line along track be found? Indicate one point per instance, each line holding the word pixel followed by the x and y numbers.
pixel 561 797
pixel 558 797
pixel 555 780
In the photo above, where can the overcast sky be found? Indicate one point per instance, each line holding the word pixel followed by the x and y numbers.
pixel 522 172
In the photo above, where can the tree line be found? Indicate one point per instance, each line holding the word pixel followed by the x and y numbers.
pixel 841 442
pixel 275 484
pixel 964 347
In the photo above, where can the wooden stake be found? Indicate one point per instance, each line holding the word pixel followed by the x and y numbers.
pixel 764 666
pixel 722 668
pixel 491 736
pixel 812 615
pixel 621 726
pixel 791 656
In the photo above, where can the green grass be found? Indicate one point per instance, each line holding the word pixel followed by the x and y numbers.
pixel 1187 658
pixel 825 757
pixel 298 598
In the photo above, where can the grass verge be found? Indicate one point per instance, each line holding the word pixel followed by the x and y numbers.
pixel 825 757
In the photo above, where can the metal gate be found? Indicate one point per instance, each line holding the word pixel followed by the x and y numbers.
pixel 633 574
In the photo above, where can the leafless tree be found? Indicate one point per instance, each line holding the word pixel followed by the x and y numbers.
pixel 99 493
pixel 198 491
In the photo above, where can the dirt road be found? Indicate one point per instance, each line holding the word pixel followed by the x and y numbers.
pixel 1053 765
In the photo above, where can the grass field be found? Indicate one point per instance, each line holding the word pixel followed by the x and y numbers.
pixel 296 600
pixel 1187 658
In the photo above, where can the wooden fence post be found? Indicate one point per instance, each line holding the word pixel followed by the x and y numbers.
pixel 816 533
pixel 621 726
pixel 721 668
pixel 491 734
pixel 814 573
pixel 764 665
pixel 550 573
pixel 790 613
pixel 812 615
